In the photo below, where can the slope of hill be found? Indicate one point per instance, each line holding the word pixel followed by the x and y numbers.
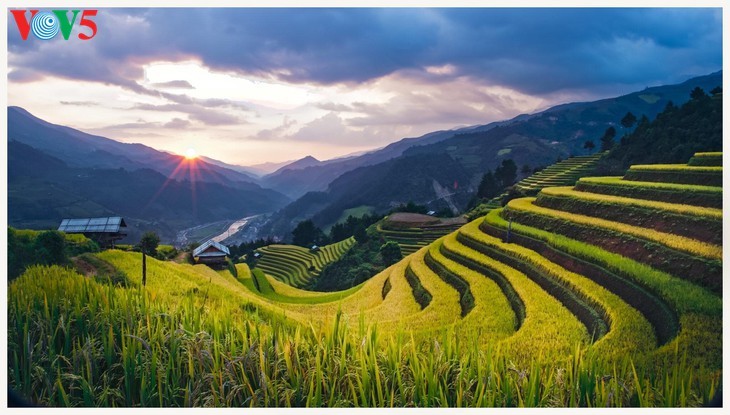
pixel 664 140
pixel 567 305
pixel 78 149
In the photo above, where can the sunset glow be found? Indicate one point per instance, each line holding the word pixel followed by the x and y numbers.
pixel 190 154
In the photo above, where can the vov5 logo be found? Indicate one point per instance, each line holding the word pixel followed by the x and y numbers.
pixel 46 25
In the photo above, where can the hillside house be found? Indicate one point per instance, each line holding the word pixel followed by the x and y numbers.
pixel 211 253
pixel 104 231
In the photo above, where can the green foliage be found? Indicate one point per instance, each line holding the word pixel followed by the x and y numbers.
pixel 673 137
pixel 148 243
pixel 28 247
pixel 410 207
pixel 489 187
pixel 140 342
pixel 353 226
pixel 357 265
pixel 166 252
pixel 307 234
pixel 506 173
pixel 390 251
pixel 102 271
pixel 628 120
pixel 607 139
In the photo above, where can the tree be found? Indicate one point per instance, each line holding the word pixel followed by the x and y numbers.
pixel 361 234
pixel 50 247
pixel 589 145
pixel 506 173
pixel 488 187
pixel 307 234
pixel 716 91
pixel 697 93
pixel 391 253
pixel 628 120
pixel 149 243
pixel 607 139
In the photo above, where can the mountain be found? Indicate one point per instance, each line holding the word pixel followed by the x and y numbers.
pixel 43 189
pixel 263 169
pixel 530 140
pixel 56 172
pixel 302 163
pixel 295 183
pixel 247 171
pixel 79 149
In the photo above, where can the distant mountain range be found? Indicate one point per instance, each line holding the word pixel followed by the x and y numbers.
pixel 55 172
pixel 464 155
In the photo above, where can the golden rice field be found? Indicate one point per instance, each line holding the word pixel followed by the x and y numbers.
pixel 548 302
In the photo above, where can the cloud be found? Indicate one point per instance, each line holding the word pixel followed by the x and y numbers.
pixel 81 103
pixel 277 132
pixel 178 84
pixel 195 112
pixel 177 123
pixel 535 51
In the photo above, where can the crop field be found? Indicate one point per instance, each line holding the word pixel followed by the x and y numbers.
pixel 297 266
pixel 414 235
pixel 606 293
pixel 563 173
pixel 706 159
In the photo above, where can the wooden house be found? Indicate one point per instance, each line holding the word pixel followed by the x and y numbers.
pixel 105 231
pixel 211 252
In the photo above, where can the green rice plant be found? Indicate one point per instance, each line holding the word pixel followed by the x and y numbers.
pixel 548 330
pixel 170 354
pixel 297 266
pixel 676 242
pixel 676 173
pixel 699 310
pixel 710 196
pixel 695 222
pixel 655 207
pixel 706 159
pixel 678 168
pixel 630 333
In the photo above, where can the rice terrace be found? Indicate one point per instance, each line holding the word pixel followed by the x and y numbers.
pixel 571 257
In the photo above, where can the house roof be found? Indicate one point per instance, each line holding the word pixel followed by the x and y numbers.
pixel 92 225
pixel 208 244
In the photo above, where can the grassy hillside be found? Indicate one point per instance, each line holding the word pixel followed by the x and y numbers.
pixel 578 297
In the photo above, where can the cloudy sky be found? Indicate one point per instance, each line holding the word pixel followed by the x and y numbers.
pixel 252 85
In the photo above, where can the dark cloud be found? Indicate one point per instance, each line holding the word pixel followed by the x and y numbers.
pixel 536 51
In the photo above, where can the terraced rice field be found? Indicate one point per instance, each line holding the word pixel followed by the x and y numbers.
pixel 563 173
pixel 297 266
pixel 414 235
pixel 603 294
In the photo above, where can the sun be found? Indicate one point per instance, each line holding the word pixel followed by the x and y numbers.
pixel 190 153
